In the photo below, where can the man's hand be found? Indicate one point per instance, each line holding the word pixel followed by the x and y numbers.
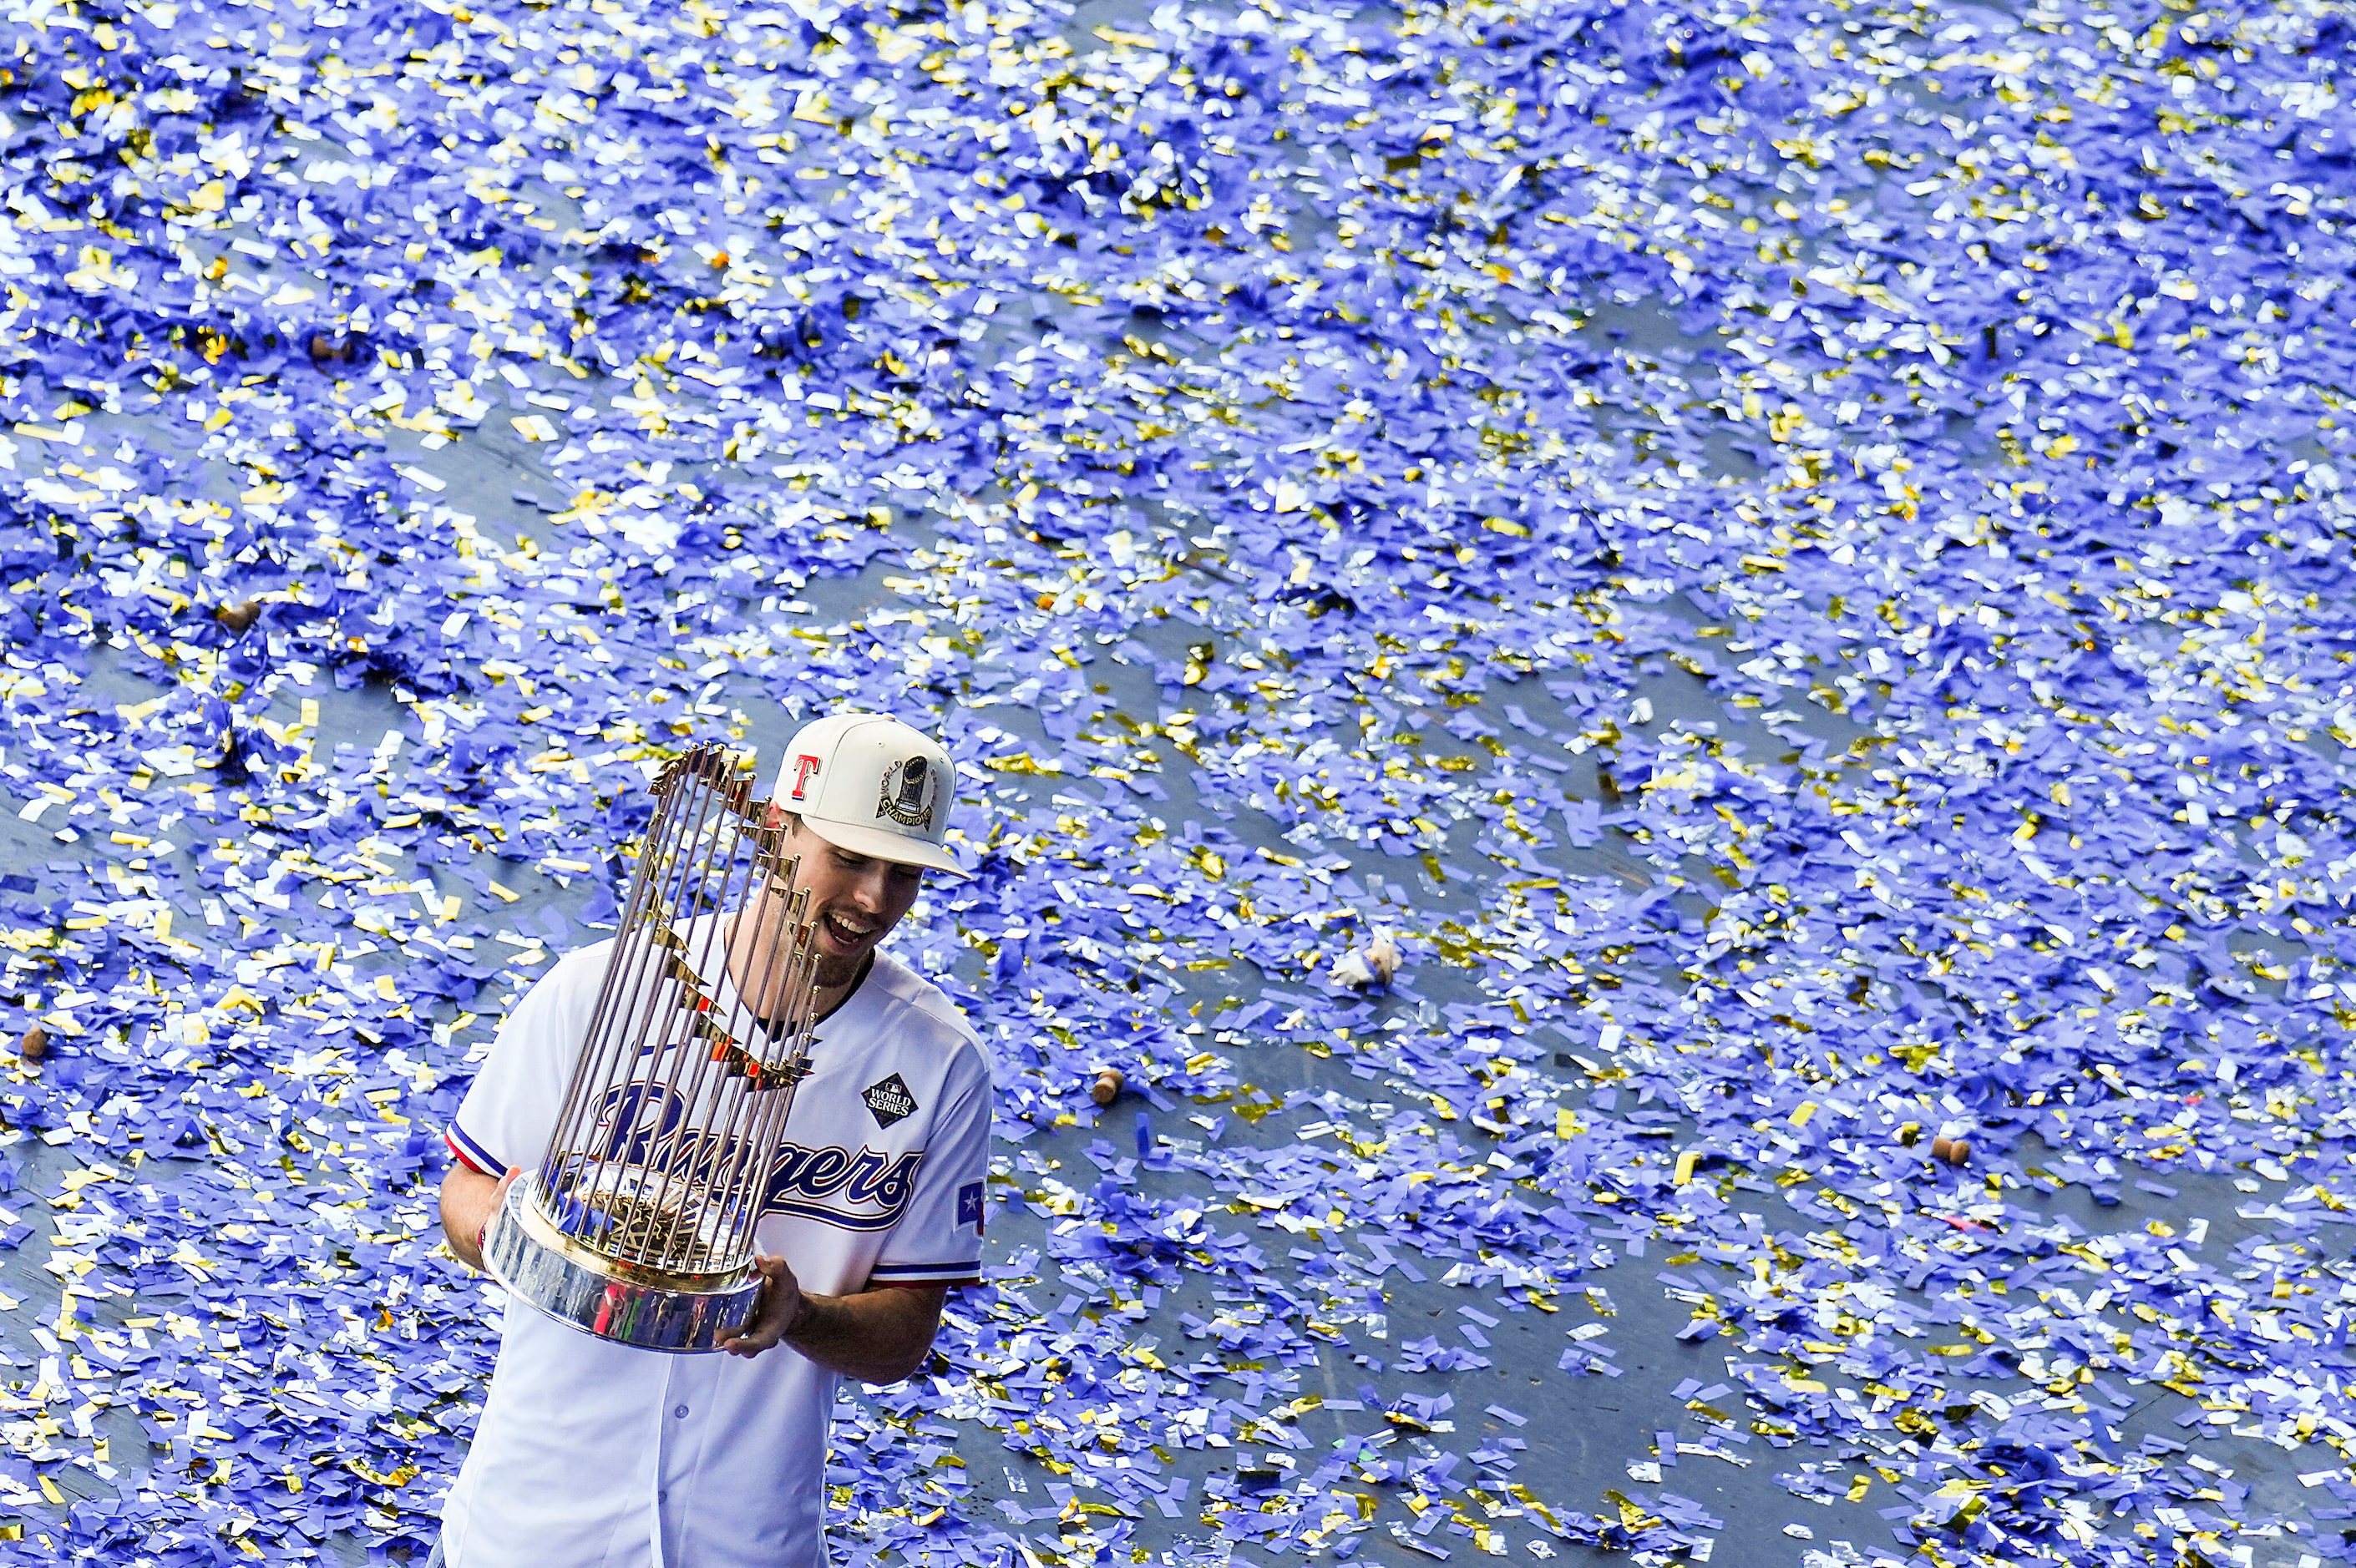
pixel 877 1336
pixel 469 1200
pixel 782 1302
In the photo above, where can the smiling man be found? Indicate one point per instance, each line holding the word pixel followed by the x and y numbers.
pixel 594 1455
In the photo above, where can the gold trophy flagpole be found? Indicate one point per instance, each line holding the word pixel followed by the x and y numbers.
pixel 637 1226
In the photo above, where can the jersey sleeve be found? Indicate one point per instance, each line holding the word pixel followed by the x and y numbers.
pixel 938 1239
pixel 509 1114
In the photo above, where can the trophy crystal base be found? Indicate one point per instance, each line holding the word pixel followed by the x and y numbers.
pixel 541 1266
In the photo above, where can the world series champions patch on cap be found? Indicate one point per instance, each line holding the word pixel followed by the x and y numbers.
pixel 911 793
pixel 872 785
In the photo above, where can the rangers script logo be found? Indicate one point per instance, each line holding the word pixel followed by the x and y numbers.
pixel 873 1186
pixel 862 1189
pixel 909 789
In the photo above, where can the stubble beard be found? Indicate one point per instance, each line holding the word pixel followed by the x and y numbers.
pixel 764 951
pixel 772 936
pixel 833 974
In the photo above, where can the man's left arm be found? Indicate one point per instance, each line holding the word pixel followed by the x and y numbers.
pixel 876 1336
pixel 882 1333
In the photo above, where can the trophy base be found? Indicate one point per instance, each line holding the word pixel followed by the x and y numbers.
pixel 680 1314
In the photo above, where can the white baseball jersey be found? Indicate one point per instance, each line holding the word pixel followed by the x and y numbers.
pixel 594 1455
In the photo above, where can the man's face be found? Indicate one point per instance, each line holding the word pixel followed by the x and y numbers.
pixel 855 901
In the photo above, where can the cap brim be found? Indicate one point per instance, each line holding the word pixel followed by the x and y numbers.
pixel 876 844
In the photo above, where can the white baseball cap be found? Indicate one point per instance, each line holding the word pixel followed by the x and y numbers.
pixel 872 785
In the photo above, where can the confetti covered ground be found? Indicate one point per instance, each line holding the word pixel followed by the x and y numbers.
pixel 1793 564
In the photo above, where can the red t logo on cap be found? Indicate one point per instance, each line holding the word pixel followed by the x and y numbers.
pixel 804 765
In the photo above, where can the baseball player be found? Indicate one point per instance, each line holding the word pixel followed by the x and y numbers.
pixel 594 1454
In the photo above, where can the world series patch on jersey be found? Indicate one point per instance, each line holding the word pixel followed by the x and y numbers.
pixel 879 1180
pixel 890 1100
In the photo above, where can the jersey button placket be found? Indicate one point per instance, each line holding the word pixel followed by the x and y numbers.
pixel 677 1408
pixel 687 1391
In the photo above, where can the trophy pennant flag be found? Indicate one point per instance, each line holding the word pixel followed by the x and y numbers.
pixel 638 1225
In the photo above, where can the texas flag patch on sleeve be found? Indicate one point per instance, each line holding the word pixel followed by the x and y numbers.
pixel 969 1206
